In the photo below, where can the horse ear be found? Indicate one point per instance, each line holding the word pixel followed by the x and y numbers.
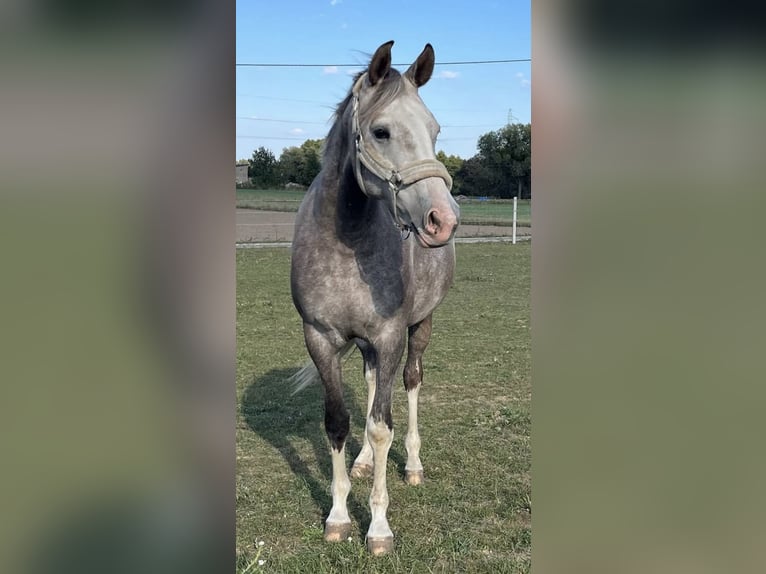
pixel 420 71
pixel 380 63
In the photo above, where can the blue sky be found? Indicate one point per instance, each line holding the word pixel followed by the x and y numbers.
pixel 294 104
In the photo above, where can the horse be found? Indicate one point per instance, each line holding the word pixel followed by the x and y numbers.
pixel 372 256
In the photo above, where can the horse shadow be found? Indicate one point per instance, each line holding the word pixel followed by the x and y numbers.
pixel 284 420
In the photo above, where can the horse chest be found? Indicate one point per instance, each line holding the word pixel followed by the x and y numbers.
pixel 432 272
pixel 362 292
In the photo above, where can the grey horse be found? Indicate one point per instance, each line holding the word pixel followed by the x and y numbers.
pixel 372 257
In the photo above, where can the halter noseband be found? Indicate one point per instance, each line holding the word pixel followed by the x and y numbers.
pixel 384 169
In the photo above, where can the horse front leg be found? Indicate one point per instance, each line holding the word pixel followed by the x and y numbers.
pixel 380 433
pixel 363 463
pixel 419 336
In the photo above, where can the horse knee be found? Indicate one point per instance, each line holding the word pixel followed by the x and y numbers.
pixel 413 374
pixel 337 426
pixel 379 432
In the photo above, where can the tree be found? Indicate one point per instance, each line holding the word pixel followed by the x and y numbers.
pixel 507 154
pixel 300 164
pixel 312 158
pixel 453 164
pixel 474 177
pixel 262 169
pixel 290 165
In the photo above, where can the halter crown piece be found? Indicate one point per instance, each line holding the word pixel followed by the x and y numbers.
pixel 384 169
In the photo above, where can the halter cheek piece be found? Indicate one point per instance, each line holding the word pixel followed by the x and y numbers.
pixel 384 169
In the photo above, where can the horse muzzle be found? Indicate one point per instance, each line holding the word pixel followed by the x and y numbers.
pixel 439 226
pixel 431 212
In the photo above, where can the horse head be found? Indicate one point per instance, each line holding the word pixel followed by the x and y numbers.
pixel 394 137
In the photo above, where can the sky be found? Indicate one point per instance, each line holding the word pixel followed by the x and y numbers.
pixel 279 107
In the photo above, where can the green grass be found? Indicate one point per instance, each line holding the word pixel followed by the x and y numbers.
pixel 472 212
pixel 270 199
pixel 473 513
pixel 496 212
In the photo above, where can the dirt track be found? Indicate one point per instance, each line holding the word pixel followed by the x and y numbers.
pixel 254 225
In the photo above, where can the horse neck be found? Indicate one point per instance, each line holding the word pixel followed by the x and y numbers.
pixel 339 194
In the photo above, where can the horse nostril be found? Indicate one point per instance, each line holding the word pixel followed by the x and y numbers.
pixel 433 221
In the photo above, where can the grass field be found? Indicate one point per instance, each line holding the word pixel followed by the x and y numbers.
pixel 269 199
pixel 473 513
pixel 472 212
pixel 496 212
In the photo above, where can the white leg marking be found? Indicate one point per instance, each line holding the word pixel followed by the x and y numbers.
pixel 363 462
pixel 338 523
pixel 412 439
pixel 379 536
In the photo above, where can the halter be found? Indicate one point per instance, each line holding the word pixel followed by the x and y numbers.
pixel 384 169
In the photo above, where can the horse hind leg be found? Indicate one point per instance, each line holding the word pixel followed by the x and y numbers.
pixel 363 464
pixel 327 358
pixel 419 336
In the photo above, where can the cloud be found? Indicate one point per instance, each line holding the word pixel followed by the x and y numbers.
pixel 334 2
pixel 447 75
pixel 296 131
pixel 524 82
pixel 330 70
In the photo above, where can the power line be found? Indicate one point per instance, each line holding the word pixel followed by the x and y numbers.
pixel 329 105
pixel 463 63
pixel 294 138
pixel 280 121
pixel 247 137
pixel 469 126
pixel 440 140
pixel 250 118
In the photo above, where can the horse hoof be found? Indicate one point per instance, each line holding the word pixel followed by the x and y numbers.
pixel 336 531
pixel 361 470
pixel 414 477
pixel 380 546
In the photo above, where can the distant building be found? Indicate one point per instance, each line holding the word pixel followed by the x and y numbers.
pixel 241 176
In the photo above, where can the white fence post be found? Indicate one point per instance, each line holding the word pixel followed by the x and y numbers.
pixel 515 200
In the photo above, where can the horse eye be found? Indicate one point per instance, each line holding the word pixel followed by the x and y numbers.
pixel 381 133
